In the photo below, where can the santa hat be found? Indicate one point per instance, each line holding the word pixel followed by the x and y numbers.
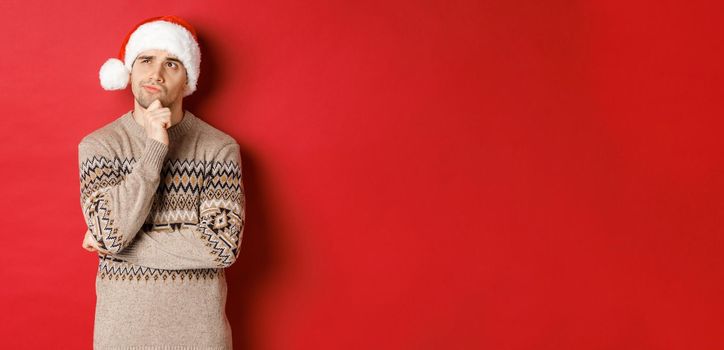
pixel 169 33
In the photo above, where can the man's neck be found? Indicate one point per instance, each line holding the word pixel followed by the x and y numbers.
pixel 176 113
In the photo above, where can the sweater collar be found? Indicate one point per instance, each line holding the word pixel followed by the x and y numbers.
pixel 174 132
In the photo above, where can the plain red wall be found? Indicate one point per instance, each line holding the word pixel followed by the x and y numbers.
pixel 419 174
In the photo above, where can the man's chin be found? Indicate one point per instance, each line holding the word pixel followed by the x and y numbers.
pixel 145 102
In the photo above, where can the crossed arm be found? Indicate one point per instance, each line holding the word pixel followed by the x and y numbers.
pixel 116 204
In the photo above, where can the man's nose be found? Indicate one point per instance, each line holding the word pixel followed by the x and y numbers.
pixel 157 72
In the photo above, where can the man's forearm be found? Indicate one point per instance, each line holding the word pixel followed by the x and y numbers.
pixel 175 249
pixel 115 205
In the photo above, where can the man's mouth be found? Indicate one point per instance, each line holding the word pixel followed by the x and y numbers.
pixel 151 88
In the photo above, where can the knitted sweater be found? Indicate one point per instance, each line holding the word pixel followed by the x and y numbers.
pixel 172 217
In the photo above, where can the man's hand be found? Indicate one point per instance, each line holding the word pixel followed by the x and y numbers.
pixel 90 244
pixel 156 121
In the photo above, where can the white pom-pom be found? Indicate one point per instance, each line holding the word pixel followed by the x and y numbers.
pixel 114 75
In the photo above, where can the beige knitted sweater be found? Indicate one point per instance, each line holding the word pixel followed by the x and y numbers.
pixel 172 218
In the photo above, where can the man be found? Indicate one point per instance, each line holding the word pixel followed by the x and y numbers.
pixel 163 199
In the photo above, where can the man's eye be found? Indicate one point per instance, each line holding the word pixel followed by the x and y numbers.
pixel 172 64
pixel 145 60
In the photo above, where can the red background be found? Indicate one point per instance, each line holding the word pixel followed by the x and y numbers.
pixel 419 174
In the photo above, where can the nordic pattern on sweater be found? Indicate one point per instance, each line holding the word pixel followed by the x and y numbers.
pixel 216 184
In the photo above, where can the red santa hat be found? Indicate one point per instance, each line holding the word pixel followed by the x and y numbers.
pixel 169 33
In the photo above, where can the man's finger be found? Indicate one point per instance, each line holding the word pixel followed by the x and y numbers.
pixel 88 248
pixel 156 104
pixel 101 250
pixel 92 245
pixel 98 248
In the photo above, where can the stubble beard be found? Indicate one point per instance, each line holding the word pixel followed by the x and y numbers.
pixel 144 99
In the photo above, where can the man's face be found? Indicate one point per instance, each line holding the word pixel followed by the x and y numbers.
pixel 160 70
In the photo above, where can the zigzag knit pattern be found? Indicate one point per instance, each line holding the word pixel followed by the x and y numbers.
pixel 96 176
pixel 118 270
pixel 207 196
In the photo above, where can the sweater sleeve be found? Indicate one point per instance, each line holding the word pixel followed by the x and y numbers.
pixel 213 242
pixel 115 204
